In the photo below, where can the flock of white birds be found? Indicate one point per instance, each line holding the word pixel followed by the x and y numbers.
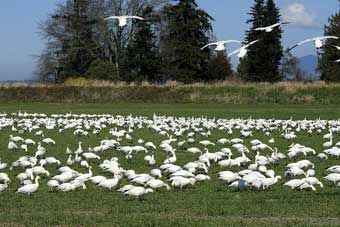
pixel 243 50
pixel 255 160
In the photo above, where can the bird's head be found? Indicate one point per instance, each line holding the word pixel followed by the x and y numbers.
pixel 149 190
pixel 192 181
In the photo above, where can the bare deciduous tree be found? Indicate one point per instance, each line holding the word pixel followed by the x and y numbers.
pixel 108 40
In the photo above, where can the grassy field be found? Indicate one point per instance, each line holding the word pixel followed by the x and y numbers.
pixel 189 109
pixel 206 204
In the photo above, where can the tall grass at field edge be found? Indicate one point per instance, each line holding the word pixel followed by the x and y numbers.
pixel 228 92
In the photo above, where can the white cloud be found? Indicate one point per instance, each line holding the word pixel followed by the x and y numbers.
pixel 297 14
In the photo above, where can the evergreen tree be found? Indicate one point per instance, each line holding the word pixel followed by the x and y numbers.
pixel 329 69
pixel 250 67
pixel 79 49
pixel 264 58
pixel 272 41
pixel 142 58
pixel 219 68
pixel 187 29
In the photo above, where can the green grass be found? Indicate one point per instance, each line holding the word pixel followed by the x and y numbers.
pixel 206 204
pixel 189 109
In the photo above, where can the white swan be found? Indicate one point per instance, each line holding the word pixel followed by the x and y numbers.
pixel 3 187
pixel 123 19
pixel 156 173
pixel 48 141
pixel 29 188
pixel 220 45
pixel 271 27
pixel 138 191
pixel 156 184
pixel 52 184
pixel 242 52
pixel 317 41
pixel 334 177
pixel 109 183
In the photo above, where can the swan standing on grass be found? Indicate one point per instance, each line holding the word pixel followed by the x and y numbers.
pixel 138 191
pixel 48 141
pixel 52 184
pixel 150 159
pixel 206 143
pixel 333 177
pixel 267 182
pixel 329 143
pixel 66 187
pixel 12 146
pixel 123 19
pixel 3 187
pixel 295 183
pixel 3 165
pixel 220 45
pixel 109 183
pixel 29 188
pixel 16 139
pixel 156 173
pixel 156 184
pixel 29 142
pixel 97 179
pixel 180 182
pixel 4 178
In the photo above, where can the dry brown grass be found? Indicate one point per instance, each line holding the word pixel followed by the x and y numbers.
pixel 290 86
pixel 232 91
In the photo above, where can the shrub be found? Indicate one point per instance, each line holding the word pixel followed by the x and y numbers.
pixel 103 70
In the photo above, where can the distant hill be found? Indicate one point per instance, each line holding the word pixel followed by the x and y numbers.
pixel 308 64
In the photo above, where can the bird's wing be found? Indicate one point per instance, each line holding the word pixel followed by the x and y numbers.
pixel 328 37
pixel 337 47
pixel 288 50
pixel 112 18
pixel 275 25
pixel 305 41
pixel 251 43
pixel 210 44
pixel 135 17
pixel 230 41
pixel 260 29
pixel 234 52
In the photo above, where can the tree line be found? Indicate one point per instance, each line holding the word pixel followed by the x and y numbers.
pixel 166 46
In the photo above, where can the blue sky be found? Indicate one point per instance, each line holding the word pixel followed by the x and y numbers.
pixel 19 39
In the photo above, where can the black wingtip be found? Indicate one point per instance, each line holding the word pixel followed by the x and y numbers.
pixel 290 49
